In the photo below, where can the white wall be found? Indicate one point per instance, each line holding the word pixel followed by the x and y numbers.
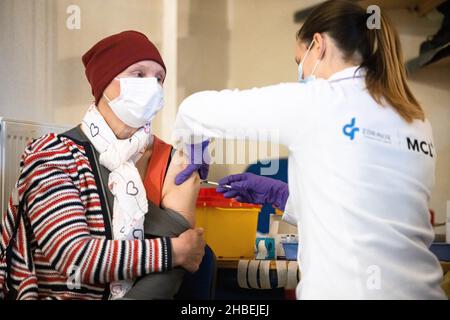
pixel 42 72
pixel 98 20
pixel 24 49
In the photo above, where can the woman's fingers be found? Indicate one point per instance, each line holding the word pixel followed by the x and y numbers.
pixel 203 171
pixel 188 249
pixel 231 193
pixel 237 188
pixel 185 174
pixel 221 189
pixel 240 186
pixel 232 178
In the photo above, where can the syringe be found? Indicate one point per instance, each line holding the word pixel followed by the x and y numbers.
pixel 212 183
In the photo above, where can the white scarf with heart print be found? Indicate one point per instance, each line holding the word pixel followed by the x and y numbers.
pixel 124 181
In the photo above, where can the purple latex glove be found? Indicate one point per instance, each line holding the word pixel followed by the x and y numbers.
pixel 199 161
pixel 251 188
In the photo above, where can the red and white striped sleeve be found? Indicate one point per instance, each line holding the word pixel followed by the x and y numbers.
pixel 57 217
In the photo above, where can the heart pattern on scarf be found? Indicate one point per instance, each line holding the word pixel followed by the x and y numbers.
pixel 94 130
pixel 131 188
pixel 124 182
pixel 138 234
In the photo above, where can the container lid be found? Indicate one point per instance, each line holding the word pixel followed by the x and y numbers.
pixel 209 197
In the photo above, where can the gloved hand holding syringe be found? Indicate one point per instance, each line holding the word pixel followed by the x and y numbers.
pixel 251 188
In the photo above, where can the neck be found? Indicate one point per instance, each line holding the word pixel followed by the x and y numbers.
pixel 336 67
pixel 334 62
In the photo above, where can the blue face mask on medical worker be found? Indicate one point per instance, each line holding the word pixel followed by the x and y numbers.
pixel 311 77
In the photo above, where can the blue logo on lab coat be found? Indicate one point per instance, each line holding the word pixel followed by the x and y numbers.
pixel 350 129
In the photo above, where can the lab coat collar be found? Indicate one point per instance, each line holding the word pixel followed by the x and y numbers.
pixel 347 73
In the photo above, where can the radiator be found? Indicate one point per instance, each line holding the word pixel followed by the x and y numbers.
pixel 14 136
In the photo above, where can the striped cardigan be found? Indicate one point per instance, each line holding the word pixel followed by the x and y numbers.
pixel 63 248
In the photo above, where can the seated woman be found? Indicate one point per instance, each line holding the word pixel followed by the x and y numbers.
pixel 89 195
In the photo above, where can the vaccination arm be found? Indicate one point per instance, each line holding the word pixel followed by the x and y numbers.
pixel 181 198
pixel 277 113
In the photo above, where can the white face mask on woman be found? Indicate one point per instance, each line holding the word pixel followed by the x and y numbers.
pixel 139 101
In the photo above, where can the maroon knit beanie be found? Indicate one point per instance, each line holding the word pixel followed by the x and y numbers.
pixel 110 56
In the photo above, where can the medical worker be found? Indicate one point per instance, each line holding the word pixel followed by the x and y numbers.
pixel 361 158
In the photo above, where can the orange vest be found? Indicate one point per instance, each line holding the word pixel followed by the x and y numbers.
pixel 156 170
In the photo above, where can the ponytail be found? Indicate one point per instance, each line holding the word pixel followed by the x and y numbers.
pixel 379 49
pixel 386 75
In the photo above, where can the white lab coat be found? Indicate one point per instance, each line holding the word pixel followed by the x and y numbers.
pixel 361 204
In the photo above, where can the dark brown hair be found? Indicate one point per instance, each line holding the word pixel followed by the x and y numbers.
pixel 379 50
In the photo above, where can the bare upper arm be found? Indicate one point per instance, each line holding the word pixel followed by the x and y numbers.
pixel 180 198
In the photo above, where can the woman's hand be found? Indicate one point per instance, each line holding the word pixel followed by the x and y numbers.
pixel 188 249
pixel 251 188
pixel 198 161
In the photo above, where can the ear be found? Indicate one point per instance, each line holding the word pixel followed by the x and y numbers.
pixel 320 44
